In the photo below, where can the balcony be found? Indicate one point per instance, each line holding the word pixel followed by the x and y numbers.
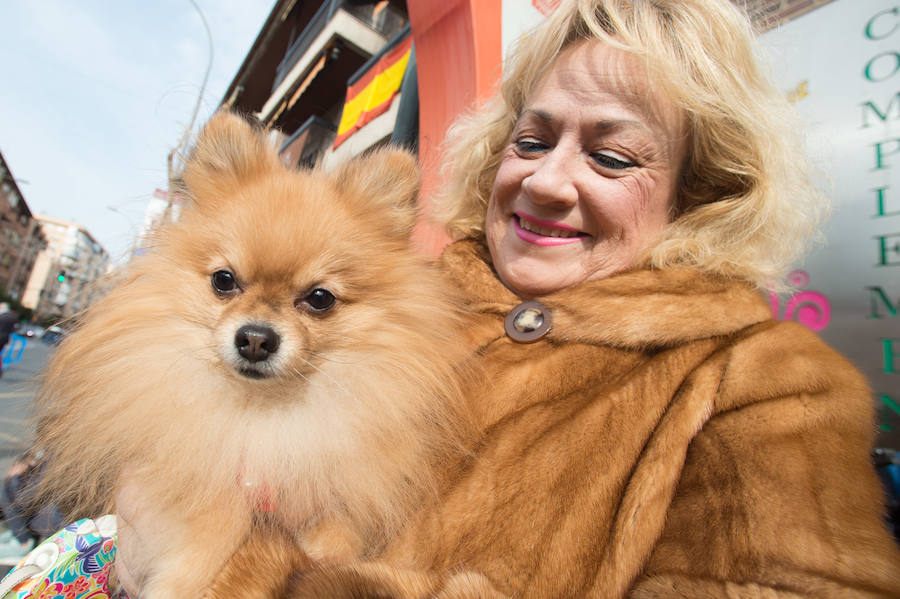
pixel 306 146
pixel 387 22
pixel 372 104
pixel 336 41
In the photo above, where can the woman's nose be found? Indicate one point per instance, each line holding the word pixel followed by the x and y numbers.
pixel 553 180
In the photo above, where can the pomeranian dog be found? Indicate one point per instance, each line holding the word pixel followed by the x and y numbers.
pixel 280 363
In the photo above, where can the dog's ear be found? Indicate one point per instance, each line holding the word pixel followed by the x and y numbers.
pixel 228 148
pixel 386 181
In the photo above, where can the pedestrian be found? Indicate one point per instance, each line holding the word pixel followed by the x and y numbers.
pixel 27 522
pixel 19 538
pixel 8 320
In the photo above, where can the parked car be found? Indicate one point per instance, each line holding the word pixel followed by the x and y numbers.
pixel 53 335
pixel 30 330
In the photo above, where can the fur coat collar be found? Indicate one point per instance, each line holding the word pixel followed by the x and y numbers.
pixel 637 309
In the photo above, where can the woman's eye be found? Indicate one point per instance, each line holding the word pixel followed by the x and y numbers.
pixel 529 144
pixel 223 282
pixel 611 161
pixel 319 300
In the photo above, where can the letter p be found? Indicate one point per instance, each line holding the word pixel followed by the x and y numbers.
pixel 884 149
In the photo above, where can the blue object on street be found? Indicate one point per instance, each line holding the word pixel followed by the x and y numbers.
pixel 13 351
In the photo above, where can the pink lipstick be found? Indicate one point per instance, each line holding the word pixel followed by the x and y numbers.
pixel 544 232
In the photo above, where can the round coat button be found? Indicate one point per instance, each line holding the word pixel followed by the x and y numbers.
pixel 528 322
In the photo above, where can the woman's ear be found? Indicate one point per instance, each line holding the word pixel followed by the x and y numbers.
pixel 228 148
pixel 386 181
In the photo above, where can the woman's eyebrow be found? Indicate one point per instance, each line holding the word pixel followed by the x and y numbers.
pixel 541 115
pixel 607 125
pixel 601 126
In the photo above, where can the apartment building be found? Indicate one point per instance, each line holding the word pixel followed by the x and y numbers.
pixel 62 282
pixel 21 237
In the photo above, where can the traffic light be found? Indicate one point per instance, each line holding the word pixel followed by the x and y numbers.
pixel 61 277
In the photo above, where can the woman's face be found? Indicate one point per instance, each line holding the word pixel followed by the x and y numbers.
pixel 589 178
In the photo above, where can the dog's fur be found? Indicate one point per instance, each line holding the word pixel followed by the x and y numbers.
pixel 338 426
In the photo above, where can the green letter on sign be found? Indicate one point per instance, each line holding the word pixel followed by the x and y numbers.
pixel 881 211
pixel 888 406
pixel 878 293
pixel 889 355
pixel 888 250
pixel 882 150
pixel 883 116
pixel 887 63
pixel 872 35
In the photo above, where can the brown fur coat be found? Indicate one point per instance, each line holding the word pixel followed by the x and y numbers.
pixel 666 439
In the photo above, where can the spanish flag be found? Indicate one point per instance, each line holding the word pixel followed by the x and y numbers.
pixel 371 95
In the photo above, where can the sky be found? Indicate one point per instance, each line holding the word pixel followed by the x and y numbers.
pixel 95 93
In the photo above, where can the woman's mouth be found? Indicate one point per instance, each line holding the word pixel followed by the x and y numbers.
pixel 544 232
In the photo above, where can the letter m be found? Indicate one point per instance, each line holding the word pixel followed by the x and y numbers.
pixel 871 107
pixel 876 294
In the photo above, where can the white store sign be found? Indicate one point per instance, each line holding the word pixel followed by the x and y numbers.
pixel 841 63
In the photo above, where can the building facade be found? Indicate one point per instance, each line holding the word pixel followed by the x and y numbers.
pixel 309 61
pixel 298 75
pixel 21 237
pixel 64 279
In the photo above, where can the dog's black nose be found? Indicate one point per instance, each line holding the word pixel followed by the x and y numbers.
pixel 256 342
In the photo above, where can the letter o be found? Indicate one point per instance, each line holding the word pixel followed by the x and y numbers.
pixel 894 57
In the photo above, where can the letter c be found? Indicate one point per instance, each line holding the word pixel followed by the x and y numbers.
pixel 891 11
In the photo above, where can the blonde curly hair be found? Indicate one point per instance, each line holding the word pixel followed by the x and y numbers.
pixel 746 206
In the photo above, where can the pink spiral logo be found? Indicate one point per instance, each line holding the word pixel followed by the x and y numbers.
pixel 810 308
pixel 798 278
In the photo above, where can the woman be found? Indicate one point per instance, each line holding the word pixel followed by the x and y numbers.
pixel 665 438
pixel 662 437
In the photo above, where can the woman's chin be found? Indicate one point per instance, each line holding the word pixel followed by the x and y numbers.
pixel 531 270
pixel 530 278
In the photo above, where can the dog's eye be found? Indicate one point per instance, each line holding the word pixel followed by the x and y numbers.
pixel 319 300
pixel 224 282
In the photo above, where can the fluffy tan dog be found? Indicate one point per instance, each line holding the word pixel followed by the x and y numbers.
pixel 279 365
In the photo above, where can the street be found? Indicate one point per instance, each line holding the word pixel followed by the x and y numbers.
pixel 17 388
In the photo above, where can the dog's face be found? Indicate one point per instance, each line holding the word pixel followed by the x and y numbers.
pixel 284 269
pixel 281 332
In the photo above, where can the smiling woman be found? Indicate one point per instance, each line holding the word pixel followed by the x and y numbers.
pixel 589 171
pixel 744 203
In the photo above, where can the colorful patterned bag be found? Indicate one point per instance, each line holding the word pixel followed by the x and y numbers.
pixel 72 564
